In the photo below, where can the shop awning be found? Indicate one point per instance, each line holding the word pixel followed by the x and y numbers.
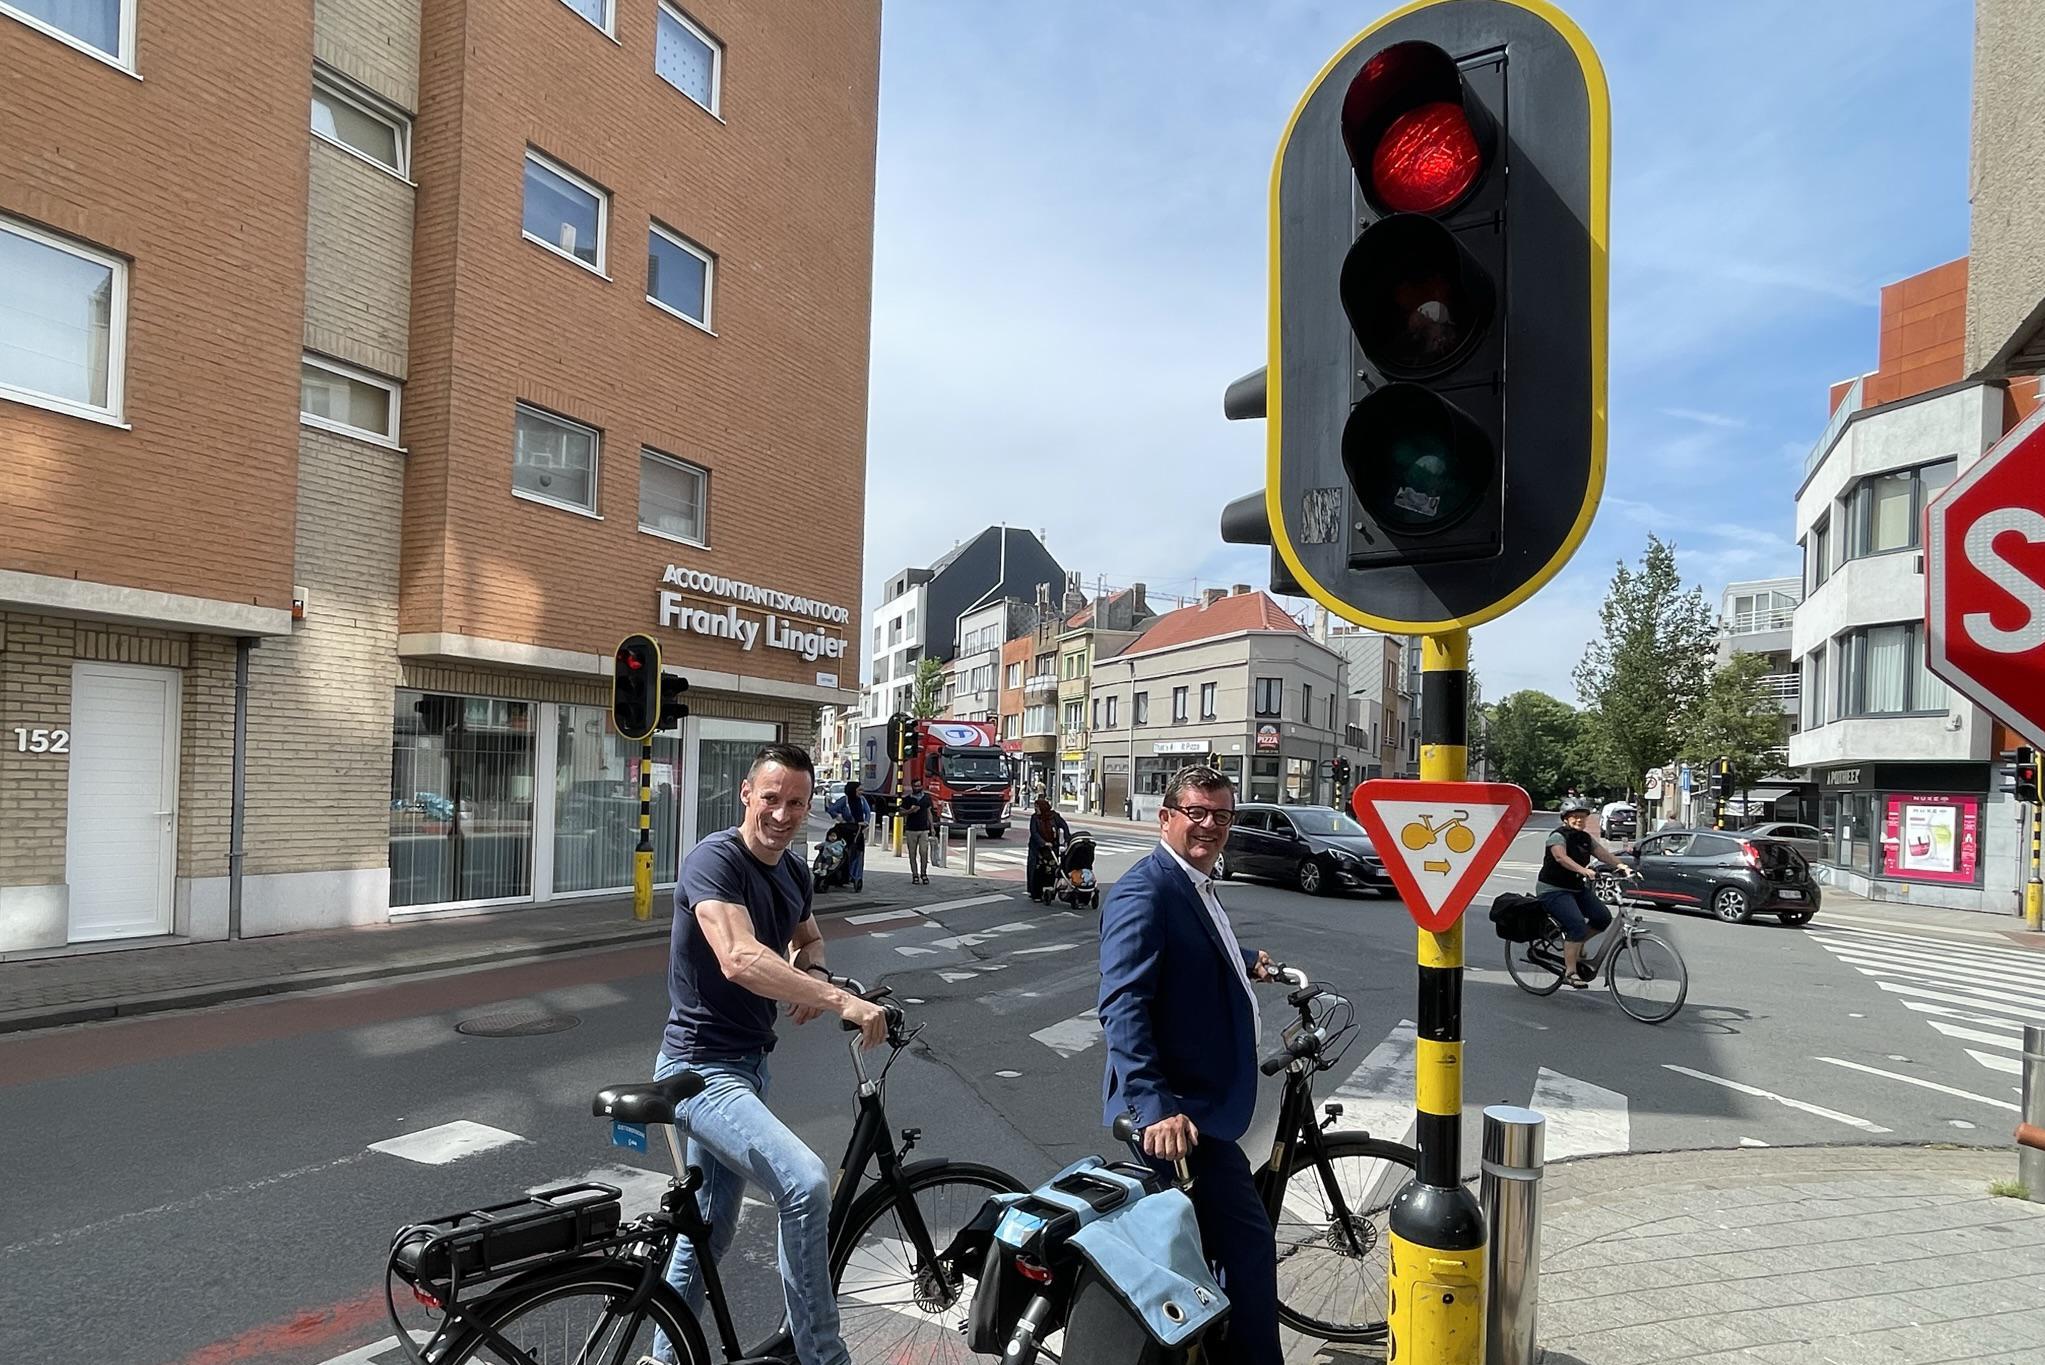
pixel 1765 796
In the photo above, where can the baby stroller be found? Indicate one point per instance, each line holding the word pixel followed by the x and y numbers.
pixel 833 863
pixel 1075 882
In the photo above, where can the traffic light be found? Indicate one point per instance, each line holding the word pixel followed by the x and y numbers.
pixel 902 733
pixel 672 710
pixel 636 692
pixel 1435 388
pixel 912 730
pixel 2022 779
pixel 1342 773
pixel 1722 778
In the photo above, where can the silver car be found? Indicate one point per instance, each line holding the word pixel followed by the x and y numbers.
pixel 1808 840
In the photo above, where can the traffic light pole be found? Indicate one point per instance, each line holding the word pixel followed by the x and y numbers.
pixel 1437 1226
pixel 2034 889
pixel 642 856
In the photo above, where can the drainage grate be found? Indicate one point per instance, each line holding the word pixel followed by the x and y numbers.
pixel 525 1023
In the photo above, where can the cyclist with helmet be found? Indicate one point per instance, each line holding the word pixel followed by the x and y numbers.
pixel 1565 884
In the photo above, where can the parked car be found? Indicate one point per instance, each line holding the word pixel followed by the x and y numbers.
pixel 1733 875
pixel 1316 848
pixel 1619 820
pixel 1808 840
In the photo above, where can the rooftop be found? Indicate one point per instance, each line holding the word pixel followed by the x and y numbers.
pixel 1224 616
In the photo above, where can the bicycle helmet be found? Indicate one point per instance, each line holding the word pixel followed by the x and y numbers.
pixel 1575 806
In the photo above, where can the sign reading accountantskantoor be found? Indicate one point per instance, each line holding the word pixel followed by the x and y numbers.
pixel 801 625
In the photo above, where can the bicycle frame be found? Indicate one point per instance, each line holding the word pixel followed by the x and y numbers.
pixel 1296 1129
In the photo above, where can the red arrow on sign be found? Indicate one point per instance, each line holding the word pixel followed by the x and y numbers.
pixel 1439 840
pixel 1985 580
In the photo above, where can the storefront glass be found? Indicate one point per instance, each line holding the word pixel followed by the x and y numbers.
pixel 1931 838
pixel 596 803
pixel 1264 779
pixel 1299 781
pixel 461 799
pixel 724 757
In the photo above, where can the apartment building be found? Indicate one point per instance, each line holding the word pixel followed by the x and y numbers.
pixel 524 267
pixel 1755 617
pixel 918 617
pixel 1381 711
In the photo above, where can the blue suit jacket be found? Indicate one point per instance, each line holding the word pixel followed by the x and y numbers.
pixel 1180 1036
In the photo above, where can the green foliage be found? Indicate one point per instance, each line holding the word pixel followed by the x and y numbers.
pixel 1736 720
pixel 2010 1189
pixel 1648 667
pixel 1532 740
pixel 929 686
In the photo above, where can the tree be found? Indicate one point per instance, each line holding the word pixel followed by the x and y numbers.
pixel 929 687
pixel 1649 664
pixel 1529 737
pixel 1738 721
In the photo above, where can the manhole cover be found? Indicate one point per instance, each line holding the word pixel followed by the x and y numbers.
pixel 516 1024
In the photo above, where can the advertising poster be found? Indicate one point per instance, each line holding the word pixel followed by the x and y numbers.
pixel 1931 838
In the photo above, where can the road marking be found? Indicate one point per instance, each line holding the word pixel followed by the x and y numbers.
pixel 2010 1065
pixel 1986 1000
pixel 1946 1012
pixel 883 916
pixel 966 904
pixel 1861 924
pixel 1934 953
pixel 1953 970
pixel 383 1352
pixel 1975 1035
pixel 1070 1037
pixel 1583 1119
pixel 1916 1081
pixel 956 977
pixel 447 1142
pixel 1758 1093
pixel 1752 1142
pixel 1051 948
pixel 910 950
pixel 639 1190
pixel 985 935
pixel 1009 1074
pixel 1376 1097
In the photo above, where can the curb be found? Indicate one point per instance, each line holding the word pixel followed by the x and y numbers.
pixel 219 993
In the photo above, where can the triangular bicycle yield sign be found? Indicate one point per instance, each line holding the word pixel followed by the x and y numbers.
pixel 1439 840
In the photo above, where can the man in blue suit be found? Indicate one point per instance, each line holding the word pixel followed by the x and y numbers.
pixel 1183 1061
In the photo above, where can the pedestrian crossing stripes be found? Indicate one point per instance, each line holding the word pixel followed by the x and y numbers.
pixel 1978 994
pixel 1018 855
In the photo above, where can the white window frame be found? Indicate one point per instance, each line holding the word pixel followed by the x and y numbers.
pixel 701 472
pixel 124 60
pixel 117 332
pixel 588 186
pixel 596 462
pixel 391 387
pixel 709 260
pixel 333 85
pixel 609 27
pixel 716 47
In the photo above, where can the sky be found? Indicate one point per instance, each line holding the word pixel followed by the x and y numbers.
pixel 1070 256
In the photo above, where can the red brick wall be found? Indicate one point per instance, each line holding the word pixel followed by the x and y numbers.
pixel 774 405
pixel 197 174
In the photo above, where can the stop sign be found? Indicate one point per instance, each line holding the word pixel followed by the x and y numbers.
pixel 1985 580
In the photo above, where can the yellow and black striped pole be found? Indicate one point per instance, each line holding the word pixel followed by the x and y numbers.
pixel 2034 889
pixel 642 856
pixel 1437 1226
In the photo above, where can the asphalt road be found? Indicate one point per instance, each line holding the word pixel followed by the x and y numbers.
pixel 220 1186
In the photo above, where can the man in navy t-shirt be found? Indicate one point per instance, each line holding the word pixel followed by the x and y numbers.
pixel 744 943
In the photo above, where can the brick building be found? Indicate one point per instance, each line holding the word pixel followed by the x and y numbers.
pixel 573 294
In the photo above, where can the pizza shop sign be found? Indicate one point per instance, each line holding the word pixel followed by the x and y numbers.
pixel 800 625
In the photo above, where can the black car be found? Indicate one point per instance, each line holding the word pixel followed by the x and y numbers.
pixel 1735 876
pixel 1316 848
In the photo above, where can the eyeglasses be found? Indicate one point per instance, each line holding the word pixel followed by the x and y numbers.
pixel 1200 815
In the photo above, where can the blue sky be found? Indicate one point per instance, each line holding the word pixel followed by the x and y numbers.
pixel 1070 255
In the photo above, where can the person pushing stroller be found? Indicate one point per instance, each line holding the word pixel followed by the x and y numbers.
pixel 1048 835
pixel 854 810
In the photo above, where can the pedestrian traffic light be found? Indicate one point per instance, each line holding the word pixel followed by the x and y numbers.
pixel 2022 781
pixel 635 687
pixel 1435 388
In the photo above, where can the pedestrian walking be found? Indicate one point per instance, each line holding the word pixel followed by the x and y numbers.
pixel 916 832
pixel 854 809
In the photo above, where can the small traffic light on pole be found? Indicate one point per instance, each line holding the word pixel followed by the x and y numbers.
pixel 637 695
pixel 2023 775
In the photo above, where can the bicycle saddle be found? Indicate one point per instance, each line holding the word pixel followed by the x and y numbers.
pixel 647 1101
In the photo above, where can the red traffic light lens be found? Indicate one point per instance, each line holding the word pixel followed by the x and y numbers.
pixel 1427 159
pixel 633 662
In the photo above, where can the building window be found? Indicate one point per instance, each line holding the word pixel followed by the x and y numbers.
pixel 598 12
pixel 909 623
pixel 63 320
pixel 876 639
pixel 1178 705
pixel 555 460
pixel 1306 703
pixel 1111 712
pixel 564 213
pixel 1207 691
pixel 1011 726
pixel 340 398
pixel 462 799
pixel 1821 552
pixel 688 58
pixel 1097 713
pixel 1882 672
pixel 678 275
pixel 1263 779
pixel 674 498
pixel 358 123
pixel 1887 510
pixel 1014 675
pixel 1813 686
pixel 1139 709
pixel 895 631
pixel 1270 694
pixel 105 27
pixel 1075 714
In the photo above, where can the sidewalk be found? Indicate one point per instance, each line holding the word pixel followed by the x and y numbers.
pixel 77 987
pixel 1838 906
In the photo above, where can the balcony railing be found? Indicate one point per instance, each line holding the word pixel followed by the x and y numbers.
pixel 1780 687
pixel 1758 622
pixel 1040 682
pixel 1848 405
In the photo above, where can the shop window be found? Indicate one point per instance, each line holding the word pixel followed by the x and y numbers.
pixel 596 803
pixel 1264 779
pixel 461 799
pixel 63 317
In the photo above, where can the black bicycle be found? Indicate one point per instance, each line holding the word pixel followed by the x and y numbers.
pixel 1328 1191
pixel 559 1279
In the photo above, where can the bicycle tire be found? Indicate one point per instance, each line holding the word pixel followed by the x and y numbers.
pixel 599 1283
pixel 895 1305
pixel 1331 1287
pixel 1532 977
pixel 1630 960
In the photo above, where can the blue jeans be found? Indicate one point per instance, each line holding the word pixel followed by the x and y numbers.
pixel 735 1139
pixel 1579 912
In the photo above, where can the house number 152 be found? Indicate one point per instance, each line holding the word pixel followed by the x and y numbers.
pixel 42 741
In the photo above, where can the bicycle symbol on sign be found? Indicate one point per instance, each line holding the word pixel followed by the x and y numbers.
pixel 1455 832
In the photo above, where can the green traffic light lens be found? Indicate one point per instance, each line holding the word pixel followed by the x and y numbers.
pixel 1416 464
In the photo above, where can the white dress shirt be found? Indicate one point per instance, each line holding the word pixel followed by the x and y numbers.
pixel 1203 885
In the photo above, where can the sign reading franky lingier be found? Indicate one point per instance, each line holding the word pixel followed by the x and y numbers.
pixel 726 622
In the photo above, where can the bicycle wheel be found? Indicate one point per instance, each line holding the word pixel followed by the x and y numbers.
pixel 575 1321
pixel 1333 1274
pixel 892 1305
pixel 1530 974
pixel 1648 979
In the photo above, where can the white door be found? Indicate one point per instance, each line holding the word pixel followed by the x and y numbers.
pixel 122 844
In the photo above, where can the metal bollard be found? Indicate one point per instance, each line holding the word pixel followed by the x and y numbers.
pixel 2031 1132
pixel 1511 1192
pixel 971 831
pixel 940 837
